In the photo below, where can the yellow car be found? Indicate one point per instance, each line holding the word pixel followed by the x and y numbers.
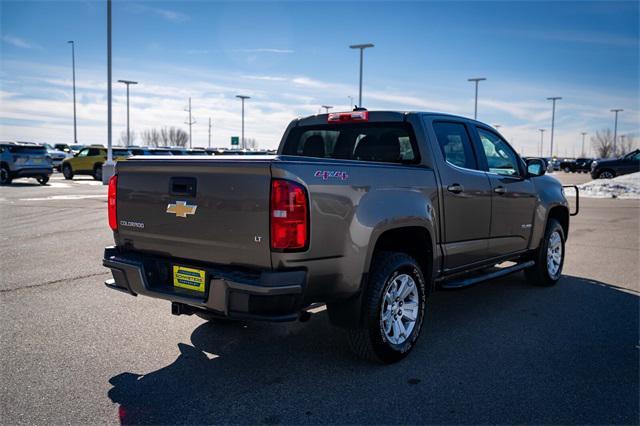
pixel 88 161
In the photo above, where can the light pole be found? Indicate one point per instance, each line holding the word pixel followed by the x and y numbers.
pixel 128 83
pixel 327 108
pixel 209 132
pixel 615 129
pixel 108 168
pixel 475 109
pixel 582 153
pixel 190 122
pixel 361 47
pixel 242 98
pixel 73 67
pixel 541 140
pixel 553 120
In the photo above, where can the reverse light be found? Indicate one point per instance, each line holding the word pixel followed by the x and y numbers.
pixel 111 202
pixel 348 117
pixel 289 216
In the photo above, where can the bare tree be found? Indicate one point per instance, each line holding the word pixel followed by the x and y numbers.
pixel 602 143
pixel 123 138
pixel 250 143
pixel 626 144
pixel 151 137
pixel 179 137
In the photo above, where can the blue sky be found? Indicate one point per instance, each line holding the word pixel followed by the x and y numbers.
pixel 292 57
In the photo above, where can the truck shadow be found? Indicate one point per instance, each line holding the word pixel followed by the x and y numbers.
pixel 501 352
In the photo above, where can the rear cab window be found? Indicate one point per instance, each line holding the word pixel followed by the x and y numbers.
pixel 369 141
pixel 455 144
pixel 25 149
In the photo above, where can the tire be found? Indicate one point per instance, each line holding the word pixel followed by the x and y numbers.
pixel 67 172
pixel 552 250
pixel 5 176
pixel 370 339
pixel 97 172
pixel 42 180
pixel 606 174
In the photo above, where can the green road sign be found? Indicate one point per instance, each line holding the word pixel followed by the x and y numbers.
pixel 235 140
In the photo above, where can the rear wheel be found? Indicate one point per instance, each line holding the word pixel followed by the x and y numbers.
pixel 393 309
pixel 5 176
pixel 549 257
pixel 97 172
pixel 67 172
pixel 42 180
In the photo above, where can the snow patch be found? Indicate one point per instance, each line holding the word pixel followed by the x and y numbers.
pixel 626 186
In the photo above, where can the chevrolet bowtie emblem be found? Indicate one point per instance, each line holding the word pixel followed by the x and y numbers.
pixel 181 209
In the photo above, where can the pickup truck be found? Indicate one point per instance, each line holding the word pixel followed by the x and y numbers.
pixel 366 212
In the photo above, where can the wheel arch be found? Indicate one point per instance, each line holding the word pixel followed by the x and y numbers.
pixel 414 240
pixel 561 214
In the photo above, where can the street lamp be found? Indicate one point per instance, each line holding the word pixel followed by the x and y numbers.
pixel 128 83
pixel 541 140
pixel 476 80
pixel 582 153
pixel 73 67
pixel 361 47
pixel 108 168
pixel 242 98
pixel 327 108
pixel 615 129
pixel 553 119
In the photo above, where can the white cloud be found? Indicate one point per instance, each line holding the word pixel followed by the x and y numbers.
pixel 171 15
pixel 19 42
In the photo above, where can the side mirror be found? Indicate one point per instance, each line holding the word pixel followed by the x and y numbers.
pixel 535 167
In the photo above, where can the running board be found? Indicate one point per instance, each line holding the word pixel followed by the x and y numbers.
pixel 466 282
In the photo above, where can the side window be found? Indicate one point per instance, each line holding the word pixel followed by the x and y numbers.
pixel 94 152
pixel 501 158
pixel 455 144
pixel 84 152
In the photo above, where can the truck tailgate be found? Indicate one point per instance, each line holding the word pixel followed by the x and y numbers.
pixel 208 210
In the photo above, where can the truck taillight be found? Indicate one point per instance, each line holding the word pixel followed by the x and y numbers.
pixel 111 202
pixel 348 117
pixel 289 215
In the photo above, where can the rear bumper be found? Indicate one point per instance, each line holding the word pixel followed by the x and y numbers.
pixel 32 172
pixel 231 292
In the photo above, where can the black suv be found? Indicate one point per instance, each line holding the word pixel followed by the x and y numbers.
pixel 607 169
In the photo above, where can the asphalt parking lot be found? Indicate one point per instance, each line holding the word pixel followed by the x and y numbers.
pixel 501 352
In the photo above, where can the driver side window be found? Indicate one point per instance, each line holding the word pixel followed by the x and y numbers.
pixel 501 158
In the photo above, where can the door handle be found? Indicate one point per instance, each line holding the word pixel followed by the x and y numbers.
pixel 500 190
pixel 455 188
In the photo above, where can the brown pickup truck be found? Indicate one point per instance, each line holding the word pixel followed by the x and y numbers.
pixel 366 212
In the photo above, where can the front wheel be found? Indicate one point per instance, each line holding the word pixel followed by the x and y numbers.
pixel 5 176
pixel 67 172
pixel 42 180
pixel 606 174
pixel 549 257
pixel 393 309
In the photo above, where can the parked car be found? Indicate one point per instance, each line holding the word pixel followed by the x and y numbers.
pixel 56 155
pixel 76 148
pixel 150 151
pixel 18 160
pixel 63 147
pixel 579 165
pixel 610 168
pixel 368 212
pixel 89 161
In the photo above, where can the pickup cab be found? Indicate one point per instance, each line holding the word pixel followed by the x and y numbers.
pixel 367 212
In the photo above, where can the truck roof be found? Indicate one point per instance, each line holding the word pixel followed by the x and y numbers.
pixel 375 116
